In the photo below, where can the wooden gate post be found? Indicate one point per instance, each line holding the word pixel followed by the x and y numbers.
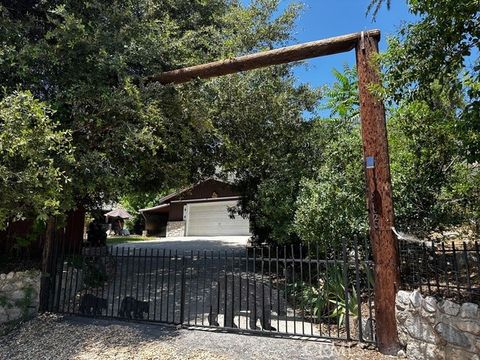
pixel 46 277
pixel 379 196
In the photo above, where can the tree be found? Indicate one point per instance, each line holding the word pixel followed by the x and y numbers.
pixel 435 97
pixel 33 152
pixel 331 202
pixel 86 59
pixel 257 128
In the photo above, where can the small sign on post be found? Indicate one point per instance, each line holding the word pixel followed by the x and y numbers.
pixel 370 162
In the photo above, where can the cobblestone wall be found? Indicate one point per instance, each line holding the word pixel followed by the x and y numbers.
pixel 175 228
pixel 19 295
pixel 432 329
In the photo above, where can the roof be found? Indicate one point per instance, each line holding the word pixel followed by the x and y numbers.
pixel 161 202
pixel 155 207
pixel 121 213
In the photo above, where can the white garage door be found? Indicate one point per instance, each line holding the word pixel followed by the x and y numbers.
pixel 213 218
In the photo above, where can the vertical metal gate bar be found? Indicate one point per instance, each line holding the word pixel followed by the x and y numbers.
pixel 254 317
pixel 104 279
pixel 114 280
pixel 335 273
pixel 69 283
pixel 425 267
pixel 190 288
pixel 445 269
pixel 455 267
pixel 294 292
pixel 162 292
pixel 120 281
pixel 247 275
pixel 124 266
pixel 155 287
pixel 204 284
pixel 210 280
pixel 437 268
pixel 346 287
pixel 240 283
pixel 225 290
pixel 144 283
pixel 318 284
pixel 467 268
pixel 369 289
pixel 97 259
pixel 270 300
pixel 277 256
pixel 182 290
pixel 218 284
pixel 310 288
pixel 61 259
pixel 357 287
pixel 262 322
pixel 132 276
pixel 127 261
pixel 150 274
pixel 302 282
pixel 137 282
pixel 233 289
pixel 77 273
pixel 168 284
pixel 175 287
pixel 52 275
pixel 197 277
pixel 327 280
pixel 285 271
pixel 58 271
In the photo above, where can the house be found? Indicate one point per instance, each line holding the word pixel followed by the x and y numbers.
pixel 199 210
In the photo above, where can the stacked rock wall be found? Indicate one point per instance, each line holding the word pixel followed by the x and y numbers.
pixel 175 228
pixel 432 329
pixel 19 295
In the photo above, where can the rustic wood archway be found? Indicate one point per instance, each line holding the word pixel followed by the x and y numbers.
pixel 375 152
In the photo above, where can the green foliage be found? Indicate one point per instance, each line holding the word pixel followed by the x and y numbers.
pixel 33 154
pixel 133 201
pixel 329 299
pixel 434 127
pixel 422 142
pixel 375 6
pixel 86 60
pixel 93 267
pixel 331 204
pixel 260 142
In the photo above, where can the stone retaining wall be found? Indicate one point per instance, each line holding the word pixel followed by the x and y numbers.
pixel 432 329
pixel 19 295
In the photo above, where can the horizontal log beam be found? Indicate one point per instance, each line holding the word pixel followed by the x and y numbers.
pixel 278 56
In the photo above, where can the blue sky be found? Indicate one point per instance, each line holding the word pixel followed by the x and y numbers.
pixel 321 19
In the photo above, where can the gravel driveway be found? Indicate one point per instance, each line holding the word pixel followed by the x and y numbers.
pixel 54 337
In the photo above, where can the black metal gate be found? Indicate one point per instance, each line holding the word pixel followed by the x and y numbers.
pixel 292 290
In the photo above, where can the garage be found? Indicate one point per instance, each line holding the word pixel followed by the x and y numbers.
pixel 212 218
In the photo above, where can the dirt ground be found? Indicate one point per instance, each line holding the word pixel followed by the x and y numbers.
pixel 56 337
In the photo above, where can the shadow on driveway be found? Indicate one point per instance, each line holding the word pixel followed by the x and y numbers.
pixel 190 243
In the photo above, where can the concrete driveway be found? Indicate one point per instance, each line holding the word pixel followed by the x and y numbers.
pixel 190 243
